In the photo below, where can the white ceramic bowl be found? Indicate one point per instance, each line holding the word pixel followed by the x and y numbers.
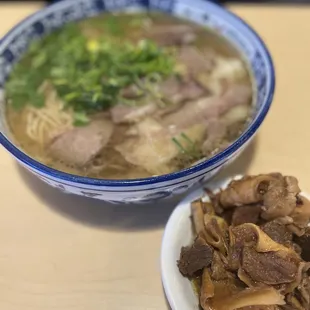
pixel 179 233
pixel 243 37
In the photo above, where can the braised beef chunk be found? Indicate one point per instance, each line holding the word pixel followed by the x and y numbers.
pixel 258 234
pixel 277 232
pixel 240 235
pixel 268 268
pixel 246 214
pixel 227 215
pixel 194 258
pixel 304 243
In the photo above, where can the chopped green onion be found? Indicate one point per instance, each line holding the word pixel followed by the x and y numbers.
pixel 80 119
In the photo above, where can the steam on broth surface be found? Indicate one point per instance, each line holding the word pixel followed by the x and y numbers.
pixel 128 96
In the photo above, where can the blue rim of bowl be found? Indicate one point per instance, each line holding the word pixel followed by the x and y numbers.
pixel 162 178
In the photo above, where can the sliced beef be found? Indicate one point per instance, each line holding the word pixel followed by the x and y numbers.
pixel 277 232
pixel 246 214
pixel 128 114
pixel 80 145
pixel 176 91
pixel 190 90
pixel 206 108
pixel 166 35
pixel 226 128
pixel 159 114
pixel 195 61
pixel 216 131
pixel 235 95
pixel 194 258
pixel 153 147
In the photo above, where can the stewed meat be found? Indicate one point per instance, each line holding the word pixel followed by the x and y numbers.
pixel 195 257
pixel 259 262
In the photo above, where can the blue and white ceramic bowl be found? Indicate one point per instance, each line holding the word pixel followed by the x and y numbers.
pixel 15 43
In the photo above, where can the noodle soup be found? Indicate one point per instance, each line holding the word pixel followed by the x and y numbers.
pixel 122 96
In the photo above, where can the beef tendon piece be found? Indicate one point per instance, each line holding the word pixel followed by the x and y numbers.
pixel 198 209
pixel 196 257
pixel 215 233
pixel 220 289
pixel 248 297
pixel 294 302
pixel 197 216
pixel 248 190
pixel 207 287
